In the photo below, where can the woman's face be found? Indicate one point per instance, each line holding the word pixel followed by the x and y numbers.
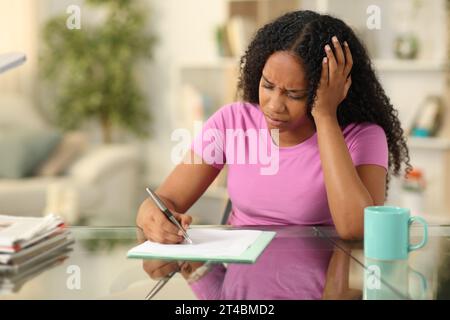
pixel 282 92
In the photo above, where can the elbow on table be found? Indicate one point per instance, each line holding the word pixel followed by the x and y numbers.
pixel 350 236
pixel 350 232
pixel 349 221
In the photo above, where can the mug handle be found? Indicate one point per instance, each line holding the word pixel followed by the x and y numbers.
pixel 425 232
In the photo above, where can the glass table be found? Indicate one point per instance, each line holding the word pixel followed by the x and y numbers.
pixel 300 263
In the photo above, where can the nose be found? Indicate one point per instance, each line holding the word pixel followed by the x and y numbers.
pixel 276 103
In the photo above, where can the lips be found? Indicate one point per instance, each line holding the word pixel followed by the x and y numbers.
pixel 274 121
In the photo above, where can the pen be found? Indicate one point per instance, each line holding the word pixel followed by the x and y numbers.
pixel 168 214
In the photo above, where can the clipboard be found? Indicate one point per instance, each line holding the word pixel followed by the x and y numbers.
pixel 248 256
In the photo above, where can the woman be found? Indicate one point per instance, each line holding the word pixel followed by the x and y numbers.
pixel 308 79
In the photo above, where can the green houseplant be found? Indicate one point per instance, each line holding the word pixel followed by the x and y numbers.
pixel 92 70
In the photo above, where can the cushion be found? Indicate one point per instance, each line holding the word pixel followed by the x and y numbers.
pixel 63 156
pixel 22 150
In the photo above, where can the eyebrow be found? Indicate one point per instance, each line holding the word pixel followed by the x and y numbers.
pixel 290 90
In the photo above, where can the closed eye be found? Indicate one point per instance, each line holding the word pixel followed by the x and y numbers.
pixel 289 95
pixel 296 97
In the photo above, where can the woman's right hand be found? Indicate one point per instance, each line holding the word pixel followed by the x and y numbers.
pixel 157 227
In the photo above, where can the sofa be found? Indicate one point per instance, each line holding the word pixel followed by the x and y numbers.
pixel 98 185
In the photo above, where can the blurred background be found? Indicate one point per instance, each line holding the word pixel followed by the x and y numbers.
pixel 87 122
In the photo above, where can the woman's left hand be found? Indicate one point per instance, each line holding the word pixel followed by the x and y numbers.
pixel 335 80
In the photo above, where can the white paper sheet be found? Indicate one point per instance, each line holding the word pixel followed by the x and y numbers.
pixel 206 242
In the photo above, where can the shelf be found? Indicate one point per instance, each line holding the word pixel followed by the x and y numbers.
pixel 379 64
pixel 384 65
pixel 440 144
pixel 410 65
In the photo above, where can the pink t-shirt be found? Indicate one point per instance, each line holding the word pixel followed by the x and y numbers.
pixel 269 185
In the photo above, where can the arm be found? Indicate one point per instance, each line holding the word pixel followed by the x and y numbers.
pixel 338 278
pixel 185 184
pixel 349 189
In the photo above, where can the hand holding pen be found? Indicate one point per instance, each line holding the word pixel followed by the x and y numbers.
pixel 169 215
pixel 156 224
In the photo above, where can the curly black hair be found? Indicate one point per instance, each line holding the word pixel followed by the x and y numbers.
pixel 305 33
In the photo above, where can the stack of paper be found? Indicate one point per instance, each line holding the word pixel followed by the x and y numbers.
pixel 25 240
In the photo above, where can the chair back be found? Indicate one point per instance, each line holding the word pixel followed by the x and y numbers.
pixel 226 213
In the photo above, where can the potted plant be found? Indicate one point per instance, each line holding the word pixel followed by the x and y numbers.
pixel 91 71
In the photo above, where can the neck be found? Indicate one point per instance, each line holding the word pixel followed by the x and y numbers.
pixel 303 131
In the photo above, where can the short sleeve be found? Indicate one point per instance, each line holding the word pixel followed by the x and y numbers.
pixel 209 144
pixel 369 145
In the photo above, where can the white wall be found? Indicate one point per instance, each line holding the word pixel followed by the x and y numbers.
pixel 186 31
pixel 18 33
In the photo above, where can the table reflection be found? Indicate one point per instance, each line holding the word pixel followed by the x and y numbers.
pixel 291 267
pixel 13 278
pixel 391 280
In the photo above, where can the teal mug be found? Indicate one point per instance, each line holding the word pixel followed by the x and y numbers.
pixel 386 233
